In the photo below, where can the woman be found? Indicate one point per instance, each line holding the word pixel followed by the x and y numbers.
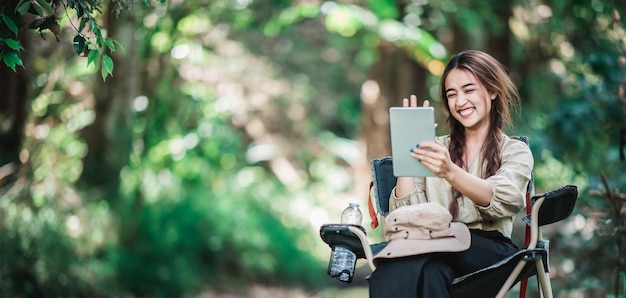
pixel 481 177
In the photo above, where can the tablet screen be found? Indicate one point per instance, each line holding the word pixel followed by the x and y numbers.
pixel 409 127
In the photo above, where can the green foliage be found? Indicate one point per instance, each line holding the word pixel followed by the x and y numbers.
pixel 243 134
pixel 581 129
pixel 383 9
pixel 10 58
pixel 7 21
pixel 89 38
pixel 36 255
pixel 9 46
pixel 49 236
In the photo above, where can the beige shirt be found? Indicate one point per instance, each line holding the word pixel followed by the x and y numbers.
pixel 508 190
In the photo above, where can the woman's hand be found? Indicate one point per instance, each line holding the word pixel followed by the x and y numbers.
pixel 435 156
pixel 411 102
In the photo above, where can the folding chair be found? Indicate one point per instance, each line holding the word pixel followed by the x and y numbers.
pixel 493 281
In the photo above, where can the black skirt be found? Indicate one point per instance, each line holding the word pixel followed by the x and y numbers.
pixel 431 275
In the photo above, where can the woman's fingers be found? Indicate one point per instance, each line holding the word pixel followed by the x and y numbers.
pixel 434 156
pixel 412 102
pixel 427 104
pixel 431 163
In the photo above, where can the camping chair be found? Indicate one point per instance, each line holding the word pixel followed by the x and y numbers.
pixel 493 281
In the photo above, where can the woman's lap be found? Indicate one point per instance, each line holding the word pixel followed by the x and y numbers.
pixel 403 277
pixel 486 249
pixel 430 275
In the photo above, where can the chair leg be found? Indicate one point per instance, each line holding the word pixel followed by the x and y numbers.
pixel 512 277
pixel 544 280
pixel 539 288
pixel 522 288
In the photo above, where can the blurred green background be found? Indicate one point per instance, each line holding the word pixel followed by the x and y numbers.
pixel 198 154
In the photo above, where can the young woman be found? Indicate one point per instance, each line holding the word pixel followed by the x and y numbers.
pixel 481 177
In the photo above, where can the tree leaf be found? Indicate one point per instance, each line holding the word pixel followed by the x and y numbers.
pixel 45 5
pixel 10 24
pixel 13 44
pixel 23 7
pixel 119 45
pixel 38 10
pixel 107 64
pixel 99 41
pixel 109 43
pixel 92 56
pixel 83 22
pixel 9 61
pixel 18 60
pixel 80 11
pixel 103 73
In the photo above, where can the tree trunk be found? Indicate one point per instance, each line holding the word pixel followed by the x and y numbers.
pixel 499 43
pixel 14 86
pixel 395 76
pixel 109 137
pixel 13 106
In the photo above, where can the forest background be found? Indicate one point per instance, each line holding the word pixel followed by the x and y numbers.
pixel 194 148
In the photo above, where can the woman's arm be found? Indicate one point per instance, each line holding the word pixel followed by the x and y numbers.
pixel 510 182
pixel 404 186
pixel 497 196
pixel 435 156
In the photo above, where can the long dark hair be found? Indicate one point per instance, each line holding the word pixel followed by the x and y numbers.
pixel 494 77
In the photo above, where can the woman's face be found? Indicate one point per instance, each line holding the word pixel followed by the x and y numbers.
pixel 468 100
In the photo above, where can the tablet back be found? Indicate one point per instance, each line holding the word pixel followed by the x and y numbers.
pixel 410 126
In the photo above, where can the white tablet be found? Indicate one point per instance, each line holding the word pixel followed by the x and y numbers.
pixel 409 127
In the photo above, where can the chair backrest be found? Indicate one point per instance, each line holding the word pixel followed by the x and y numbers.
pixel 383 181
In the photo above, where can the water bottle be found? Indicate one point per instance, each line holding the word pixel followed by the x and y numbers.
pixel 352 214
pixel 342 260
pixel 342 263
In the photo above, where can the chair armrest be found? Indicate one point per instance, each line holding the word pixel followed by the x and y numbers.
pixel 341 234
pixel 557 205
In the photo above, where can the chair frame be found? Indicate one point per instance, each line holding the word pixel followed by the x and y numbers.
pixel 542 273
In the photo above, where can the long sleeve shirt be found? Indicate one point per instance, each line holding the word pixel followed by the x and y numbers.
pixel 508 186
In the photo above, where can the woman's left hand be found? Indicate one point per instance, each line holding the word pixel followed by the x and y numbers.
pixel 435 156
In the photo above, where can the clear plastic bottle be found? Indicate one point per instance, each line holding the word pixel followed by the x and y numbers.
pixel 342 263
pixel 342 259
pixel 352 214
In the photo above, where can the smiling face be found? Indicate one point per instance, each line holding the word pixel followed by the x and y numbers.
pixel 468 100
